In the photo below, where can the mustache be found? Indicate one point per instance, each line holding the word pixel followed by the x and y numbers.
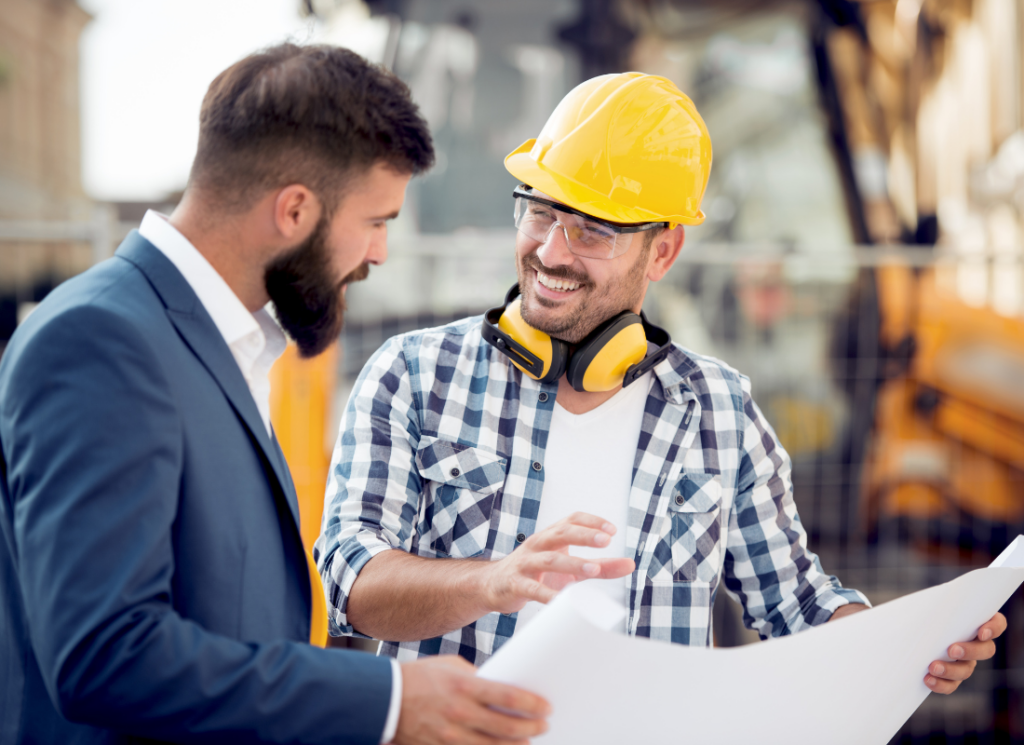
pixel 558 272
pixel 358 274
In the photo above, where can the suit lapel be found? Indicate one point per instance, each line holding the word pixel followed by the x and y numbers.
pixel 200 333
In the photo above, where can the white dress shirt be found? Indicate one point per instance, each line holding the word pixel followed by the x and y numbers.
pixel 256 341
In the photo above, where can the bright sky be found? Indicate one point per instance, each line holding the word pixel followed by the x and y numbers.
pixel 145 67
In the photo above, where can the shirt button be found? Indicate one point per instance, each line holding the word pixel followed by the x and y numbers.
pixel 521 537
pixel 455 473
pixel 542 397
pixel 537 466
pixel 679 499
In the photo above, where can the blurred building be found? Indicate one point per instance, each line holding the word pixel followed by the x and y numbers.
pixel 40 151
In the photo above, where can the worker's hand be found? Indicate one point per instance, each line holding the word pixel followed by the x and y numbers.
pixel 541 566
pixel 444 703
pixel 946 677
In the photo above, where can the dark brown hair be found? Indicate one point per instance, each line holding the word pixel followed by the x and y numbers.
pixel 312 115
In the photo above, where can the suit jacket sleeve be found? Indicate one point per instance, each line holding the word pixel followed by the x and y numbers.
pixel 93 444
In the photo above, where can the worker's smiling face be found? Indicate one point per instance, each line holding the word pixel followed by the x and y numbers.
pixel 567 296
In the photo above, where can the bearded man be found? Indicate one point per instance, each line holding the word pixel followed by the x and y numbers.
pixel 483 465
pixel 153 582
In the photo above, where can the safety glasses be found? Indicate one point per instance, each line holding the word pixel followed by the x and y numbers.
pixel 585 236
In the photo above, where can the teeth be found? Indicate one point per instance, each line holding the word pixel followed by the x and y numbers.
pixel 557 284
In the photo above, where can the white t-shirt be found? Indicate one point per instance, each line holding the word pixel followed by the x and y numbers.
pixel 588 467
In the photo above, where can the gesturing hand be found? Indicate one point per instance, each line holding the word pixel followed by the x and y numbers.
pixel 946 677
pixel 444 703
pixel 541 565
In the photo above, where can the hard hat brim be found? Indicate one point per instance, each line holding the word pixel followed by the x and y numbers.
pixel 578 196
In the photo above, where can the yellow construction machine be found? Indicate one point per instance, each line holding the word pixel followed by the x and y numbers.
pixel 948 440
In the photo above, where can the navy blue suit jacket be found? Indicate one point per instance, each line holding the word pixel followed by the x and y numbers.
pixel 152 578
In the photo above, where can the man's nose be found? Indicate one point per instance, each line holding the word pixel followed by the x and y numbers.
pixel 378 252
pixel 554 251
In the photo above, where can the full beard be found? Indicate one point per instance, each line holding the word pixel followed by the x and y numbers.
pixel 574 324
pixel 308 300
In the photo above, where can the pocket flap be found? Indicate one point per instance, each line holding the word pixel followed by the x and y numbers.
pixel 461 466
pixel 697 492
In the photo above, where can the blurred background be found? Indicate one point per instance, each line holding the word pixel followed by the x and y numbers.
pixel 861 260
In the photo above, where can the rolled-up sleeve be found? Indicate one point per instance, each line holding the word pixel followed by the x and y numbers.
pixel 373 487
pixel 777 579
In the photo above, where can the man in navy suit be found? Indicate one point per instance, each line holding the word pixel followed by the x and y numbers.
pixel 153 583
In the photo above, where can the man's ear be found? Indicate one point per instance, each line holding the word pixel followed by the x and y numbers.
pixel 296 213
pixel 665 251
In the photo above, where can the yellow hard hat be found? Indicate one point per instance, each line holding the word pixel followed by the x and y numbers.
pixel 627 148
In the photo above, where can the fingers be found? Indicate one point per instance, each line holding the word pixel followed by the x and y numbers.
pixel 939 685
pixel 579 568
pixel 443 702
pixel 481 726
pixel 615 568
pixel 455 662
pixel 524 588
pixel 553 561
pixel 972 650
pixel 521 717
pixel 563 534
pixel 514 699
pixel 993 628
pixel 465 734
pixel 952 671
pixel 945 677
pixel 983 646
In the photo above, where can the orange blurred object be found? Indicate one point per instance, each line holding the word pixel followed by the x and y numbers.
pixel 949 431
pixel 302 392
pixel 301 395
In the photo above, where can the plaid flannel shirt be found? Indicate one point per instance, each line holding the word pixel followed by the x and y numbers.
pixel 441 454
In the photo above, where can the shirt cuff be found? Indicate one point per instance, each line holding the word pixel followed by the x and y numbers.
pixel 391 723
pixel 833 600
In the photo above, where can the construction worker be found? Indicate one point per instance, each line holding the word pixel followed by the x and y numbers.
pixel 563 437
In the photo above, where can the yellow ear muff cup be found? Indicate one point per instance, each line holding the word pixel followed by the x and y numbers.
pixel 609 365
pixel 600 362
pixel 553 352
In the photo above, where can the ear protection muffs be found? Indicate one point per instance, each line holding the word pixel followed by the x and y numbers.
pixel 612 354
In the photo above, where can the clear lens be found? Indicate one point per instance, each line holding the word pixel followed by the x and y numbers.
pixel 585 238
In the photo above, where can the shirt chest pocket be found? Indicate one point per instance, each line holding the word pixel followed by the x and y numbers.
pixel 462 485
pixel 695 509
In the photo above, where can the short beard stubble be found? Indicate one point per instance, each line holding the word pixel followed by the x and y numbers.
pixel 623 294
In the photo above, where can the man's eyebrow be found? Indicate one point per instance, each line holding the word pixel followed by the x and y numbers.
pixel 389 216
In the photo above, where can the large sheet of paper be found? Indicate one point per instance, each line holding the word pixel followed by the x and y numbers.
pixel 854 681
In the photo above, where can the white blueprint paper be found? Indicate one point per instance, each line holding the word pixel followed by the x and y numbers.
pixel 858 679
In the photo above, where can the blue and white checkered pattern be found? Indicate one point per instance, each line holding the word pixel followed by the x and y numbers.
pixel 441 454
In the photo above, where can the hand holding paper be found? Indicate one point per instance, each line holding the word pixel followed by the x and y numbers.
pixel 471 710
pixel 608 688
pixel 945 676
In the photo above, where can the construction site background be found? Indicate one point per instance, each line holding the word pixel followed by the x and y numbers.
pixel 862 260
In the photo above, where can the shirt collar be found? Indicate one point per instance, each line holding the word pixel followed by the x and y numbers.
pixel 230 316
pixel 674 372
